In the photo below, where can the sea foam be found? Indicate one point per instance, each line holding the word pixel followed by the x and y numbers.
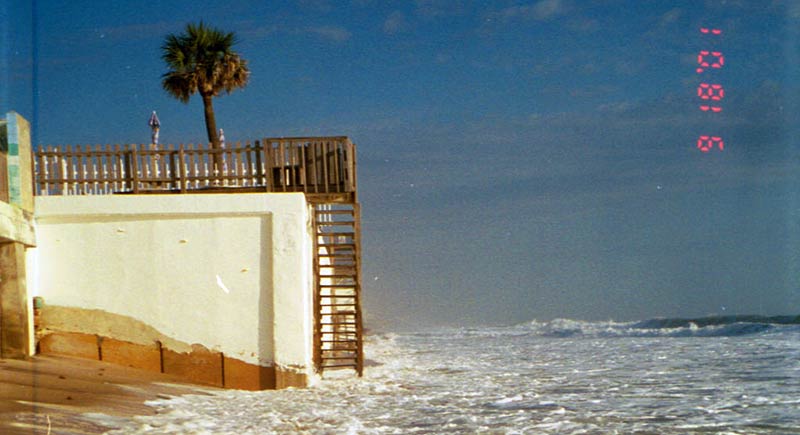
pixel 666 376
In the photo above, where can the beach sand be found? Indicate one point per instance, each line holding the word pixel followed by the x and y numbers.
pixel 48 394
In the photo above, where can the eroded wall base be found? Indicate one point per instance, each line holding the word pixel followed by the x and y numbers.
pixel 86 334
pixel 200 366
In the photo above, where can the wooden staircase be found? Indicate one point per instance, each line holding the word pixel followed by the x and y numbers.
pixel 338 326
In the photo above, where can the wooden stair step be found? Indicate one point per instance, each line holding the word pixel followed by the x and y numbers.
pixel 336 366
pixel 336 234
pixel 346 271
pixel 338 211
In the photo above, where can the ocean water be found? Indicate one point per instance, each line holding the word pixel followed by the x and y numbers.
pixel 731 375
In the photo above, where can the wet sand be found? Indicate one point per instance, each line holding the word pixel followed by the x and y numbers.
pixel 48 394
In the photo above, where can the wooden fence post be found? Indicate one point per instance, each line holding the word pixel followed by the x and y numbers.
pixel 182 172
pixel 134 168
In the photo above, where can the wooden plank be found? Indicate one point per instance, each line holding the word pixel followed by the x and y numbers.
pixel 134 167
pixel 258 161
pixel 116 174
pixel 102 170
pixel 268 163
pixel 182 168
pixel 236 158
pixel 294 167
pixel 359 318
pixel 317 300
pixel 337 154
pixel 68 158
pixel 351 160
pixel 193 169
pixel 248 164
pixel 48 171
pixel 282 168
pixel 41 186
pixel 92 170
pixel 124 169
pixel 325 165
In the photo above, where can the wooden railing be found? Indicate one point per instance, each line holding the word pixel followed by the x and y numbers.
pixel 318 165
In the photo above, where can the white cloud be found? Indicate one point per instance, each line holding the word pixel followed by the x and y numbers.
pixel 541 10
pixel 670 17
pixel 547 9
pixel 436 8
pixel 395 23
pixel 333 33
pixel 141 30
pixel 315 5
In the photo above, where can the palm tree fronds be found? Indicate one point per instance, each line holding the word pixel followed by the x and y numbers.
pixel 201 60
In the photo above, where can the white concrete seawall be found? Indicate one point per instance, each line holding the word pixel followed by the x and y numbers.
pixel 230 272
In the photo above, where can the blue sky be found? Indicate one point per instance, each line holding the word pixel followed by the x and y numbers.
pixel 518 159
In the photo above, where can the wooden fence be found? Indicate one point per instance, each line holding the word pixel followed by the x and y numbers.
pixel 319 165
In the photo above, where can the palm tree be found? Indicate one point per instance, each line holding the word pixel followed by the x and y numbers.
pixel 201 60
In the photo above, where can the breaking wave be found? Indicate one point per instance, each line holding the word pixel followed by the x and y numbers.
pixel 712 326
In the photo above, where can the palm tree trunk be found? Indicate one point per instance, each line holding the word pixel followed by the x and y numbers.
pixel 211 131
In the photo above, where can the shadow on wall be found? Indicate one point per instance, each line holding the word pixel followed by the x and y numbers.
pixel 266 340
